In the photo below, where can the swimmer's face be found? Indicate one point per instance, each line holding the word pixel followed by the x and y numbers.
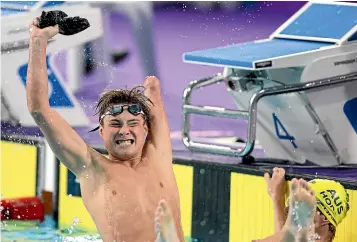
pixel 124 135
pixel 320 220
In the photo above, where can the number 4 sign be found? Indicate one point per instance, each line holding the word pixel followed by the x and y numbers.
pixel 280 127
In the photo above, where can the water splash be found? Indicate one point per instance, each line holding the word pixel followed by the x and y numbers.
pixel 313 237
pixel 302 215
pixel 74 224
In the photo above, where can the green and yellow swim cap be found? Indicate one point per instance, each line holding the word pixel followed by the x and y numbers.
pixel 331 199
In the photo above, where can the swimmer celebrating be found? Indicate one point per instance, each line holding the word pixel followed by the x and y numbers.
pixel 302 207
pixel 121 191
pixel 332 205
pixel 297 227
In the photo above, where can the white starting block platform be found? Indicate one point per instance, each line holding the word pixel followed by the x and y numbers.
pixel 15 18
pixel 317 30
pixel 305 79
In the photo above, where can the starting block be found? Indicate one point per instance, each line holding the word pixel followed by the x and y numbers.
pixel 304 77
pixel 15 18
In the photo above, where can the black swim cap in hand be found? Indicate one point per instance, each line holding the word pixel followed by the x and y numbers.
pixel 67 25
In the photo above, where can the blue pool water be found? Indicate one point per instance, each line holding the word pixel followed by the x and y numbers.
pixel 31 231
pixel 20 231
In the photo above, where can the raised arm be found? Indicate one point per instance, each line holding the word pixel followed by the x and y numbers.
pixel 63 140
pixel 277 188
pixel 159 133
pixel 299 224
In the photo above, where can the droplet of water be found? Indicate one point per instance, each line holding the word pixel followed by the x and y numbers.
pixel 302 158
pixel 75 221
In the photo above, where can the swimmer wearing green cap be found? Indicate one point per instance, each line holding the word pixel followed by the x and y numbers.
pixel 121 191
pixel 330 205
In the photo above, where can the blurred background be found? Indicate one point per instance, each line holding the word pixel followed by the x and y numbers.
pixel 135 45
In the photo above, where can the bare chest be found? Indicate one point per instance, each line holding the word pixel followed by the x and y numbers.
pixel 126 202
pixel 136 194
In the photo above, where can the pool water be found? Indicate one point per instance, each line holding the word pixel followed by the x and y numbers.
pixel 21 231
pixel 32 231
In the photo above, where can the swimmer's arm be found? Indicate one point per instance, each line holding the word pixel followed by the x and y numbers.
pixel 63 140
pixel 37 77
pixel 277 189
pixel 159 133
pixel 279 213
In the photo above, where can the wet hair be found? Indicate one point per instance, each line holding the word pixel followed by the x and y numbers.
pixel 124 96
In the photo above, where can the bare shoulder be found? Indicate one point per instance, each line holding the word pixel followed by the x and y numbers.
pixel 159 165
pixel 93 175
pixel 161 154
pixel 95 168
pixel 98 161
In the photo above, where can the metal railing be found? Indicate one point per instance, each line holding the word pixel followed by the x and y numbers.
pixel 250 115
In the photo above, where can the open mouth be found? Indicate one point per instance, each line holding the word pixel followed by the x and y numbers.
pixel 125 142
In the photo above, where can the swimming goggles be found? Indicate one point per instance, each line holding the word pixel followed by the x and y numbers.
pixel 134 109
